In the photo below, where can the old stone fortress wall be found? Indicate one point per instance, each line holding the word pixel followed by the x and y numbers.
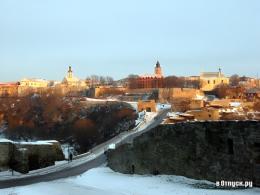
pixel 214 151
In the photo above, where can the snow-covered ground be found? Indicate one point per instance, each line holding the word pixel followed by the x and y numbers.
pixel 101 100
pixel 39 142
pixel 134 105
pixel 102 180
pixel 159 106
pixel 66 149
pixel 163 106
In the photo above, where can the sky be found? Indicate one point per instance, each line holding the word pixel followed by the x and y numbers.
pixel 40 39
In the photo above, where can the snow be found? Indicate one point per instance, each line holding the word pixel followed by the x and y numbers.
pixel 37 143
pixel 48 142
pixel 112 146
pixel 235 104
pixel 9 173
pixel 67 149
pixel 103 180
pixel 101 100
pixel 163 106
pixel 199 97
pixel 5 141
pixel 80 159
pixel 149 116
pixel 173 114
pixel 134 105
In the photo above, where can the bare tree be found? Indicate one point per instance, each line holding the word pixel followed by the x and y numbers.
pixel 234 80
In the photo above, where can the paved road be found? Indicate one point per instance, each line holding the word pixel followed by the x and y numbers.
pixel 155 123
pixel 77 170
pixel 68 172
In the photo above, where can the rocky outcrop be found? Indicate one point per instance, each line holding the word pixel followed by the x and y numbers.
pixel 221 150
pixel 26 156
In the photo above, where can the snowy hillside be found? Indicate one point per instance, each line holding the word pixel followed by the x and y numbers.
pixel 102 180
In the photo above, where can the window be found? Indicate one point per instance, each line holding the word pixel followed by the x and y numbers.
pixel 214 82
pixel 208 81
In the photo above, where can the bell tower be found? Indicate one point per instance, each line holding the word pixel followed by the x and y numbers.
pixel 70 72
pixel 158 69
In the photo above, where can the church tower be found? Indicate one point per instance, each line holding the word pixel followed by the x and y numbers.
pixel 219 72
pixel 158 69
pixel 70 75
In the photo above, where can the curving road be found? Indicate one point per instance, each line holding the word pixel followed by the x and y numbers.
pixel 86 162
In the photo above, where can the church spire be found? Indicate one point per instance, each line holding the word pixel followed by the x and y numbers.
pixel 219 72
pixel 70 72
pixel 158 64
pixel 158 69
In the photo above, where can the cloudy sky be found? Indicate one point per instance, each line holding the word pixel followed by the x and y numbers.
pixel 41 38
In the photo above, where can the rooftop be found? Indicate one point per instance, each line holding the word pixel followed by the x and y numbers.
pixel 211 74
pixel 150 76
pixel 9 84
pixel 34 80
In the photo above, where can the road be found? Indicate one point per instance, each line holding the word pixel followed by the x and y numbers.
pixel 67 172
pixel 80 165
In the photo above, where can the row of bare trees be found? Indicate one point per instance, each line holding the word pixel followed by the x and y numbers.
pixel 100 80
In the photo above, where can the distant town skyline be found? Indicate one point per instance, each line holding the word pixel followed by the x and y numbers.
pixel 40 39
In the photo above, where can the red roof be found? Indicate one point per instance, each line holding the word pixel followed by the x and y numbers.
pixel 9 84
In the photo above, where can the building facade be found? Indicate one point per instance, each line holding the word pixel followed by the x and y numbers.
pixel 210 80
pixel 34 83
pixel 146 105
pixel 29 86
pixel 148 80
pixel 9 89
pixel 71 85
pixel 210 114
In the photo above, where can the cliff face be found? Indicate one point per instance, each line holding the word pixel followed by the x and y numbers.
pixel 227 150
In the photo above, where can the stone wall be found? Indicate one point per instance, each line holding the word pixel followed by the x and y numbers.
pixel 223 150
pixel 37 156
pixel 23 157
pixel 179 98
pixel 5 151
pixel 141 91
pixel 107 91
pixel 166 94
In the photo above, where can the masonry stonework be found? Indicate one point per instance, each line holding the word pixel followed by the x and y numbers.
pixel 221 150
